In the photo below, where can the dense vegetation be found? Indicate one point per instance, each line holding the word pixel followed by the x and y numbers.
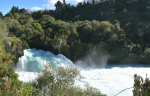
pixel 54 81
pixel 141 86
pixel 120 28
pixel 11 86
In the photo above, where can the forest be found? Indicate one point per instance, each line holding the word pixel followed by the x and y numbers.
pixel 120 28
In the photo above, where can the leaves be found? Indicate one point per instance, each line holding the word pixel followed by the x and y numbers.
pixel 57 80
pixel 141 86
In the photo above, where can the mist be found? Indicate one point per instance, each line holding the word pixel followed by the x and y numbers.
pixel 96 59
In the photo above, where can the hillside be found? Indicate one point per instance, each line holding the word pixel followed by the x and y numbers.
pixel 118 28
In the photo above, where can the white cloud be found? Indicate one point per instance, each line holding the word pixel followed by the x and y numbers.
pixel 36 8
pixel 75 0
pixel 54 1
pixel 46 5
pixel 51 3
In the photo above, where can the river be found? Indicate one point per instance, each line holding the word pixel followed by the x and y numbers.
pixel 110 79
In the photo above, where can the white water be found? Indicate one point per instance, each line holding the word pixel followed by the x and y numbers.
pixel 110 79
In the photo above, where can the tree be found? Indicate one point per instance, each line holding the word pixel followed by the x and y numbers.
pixel 17 9
pixel 79 4
pixel 29 20
pixel 58 5
pixel 13 10
pixel 141 86
pixel 64 3
pixel 55 80
pixel 28 31
pixel 84 3
pixel 93 1
pixel 1 14
pixel 23 11
pixel 48 31
pixel 11 86
pixel 46 18
pixel 59 81
pixel 90 1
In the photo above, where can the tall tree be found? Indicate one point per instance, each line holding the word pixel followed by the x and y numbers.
pixel 89 1
pixel 13 10
pixel 1 14
pixel 84 3
pixel 17 9
pixel 64 3
pixel 58 5
pixel 93 1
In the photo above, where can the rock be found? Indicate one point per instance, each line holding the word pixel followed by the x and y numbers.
pixel 13 46
pixel 56 44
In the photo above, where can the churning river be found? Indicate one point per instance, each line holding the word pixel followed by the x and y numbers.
pixel 110 79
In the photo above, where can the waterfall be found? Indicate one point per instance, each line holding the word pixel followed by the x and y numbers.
pixel 110 79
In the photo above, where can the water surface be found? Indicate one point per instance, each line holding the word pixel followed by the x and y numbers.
pixel 110 79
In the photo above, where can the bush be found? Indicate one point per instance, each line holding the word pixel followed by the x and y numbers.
pixel 59 81
pixel 11 86
pixel 141 87
pixel 25 44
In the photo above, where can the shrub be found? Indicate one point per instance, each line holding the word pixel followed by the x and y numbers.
pixel 11 86
pixel 59 81
pixel 141 87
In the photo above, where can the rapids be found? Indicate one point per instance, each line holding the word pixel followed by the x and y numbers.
pixel 110 79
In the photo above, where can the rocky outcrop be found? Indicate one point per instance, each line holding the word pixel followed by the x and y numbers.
pixel 56 44
pixel 13 46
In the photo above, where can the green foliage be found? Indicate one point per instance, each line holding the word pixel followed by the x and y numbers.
pixel 60 81
pixel 58 5
pixel 54 79
pixel 1 14
pixel 22 31
pixel 3 35
pixel 46 18
pixel 120 27
pixel 25 44
pixel 65 50
pixel 113 24
pixel 141 86
pixel 79 50
pixel 13 10
pixel 11 86
pixel 107 47
pixel 122 36
pixel 27 89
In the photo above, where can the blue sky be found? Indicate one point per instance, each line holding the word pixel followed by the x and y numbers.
pixel 33 5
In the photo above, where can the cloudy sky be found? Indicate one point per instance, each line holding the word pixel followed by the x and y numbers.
pixel 34 5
